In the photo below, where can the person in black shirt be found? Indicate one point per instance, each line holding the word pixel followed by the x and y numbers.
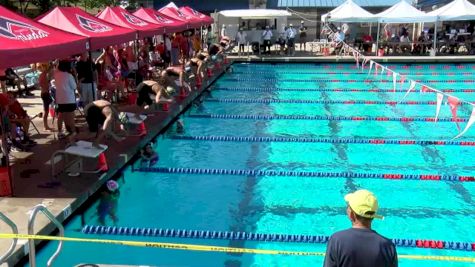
pixel 87 78
pixel 360 246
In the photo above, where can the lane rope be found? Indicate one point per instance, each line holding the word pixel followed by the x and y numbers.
pixel 318 117
pixel 305 101
pixel 373 141
pixel 207 248
pixel 313 174
pixel 336 80
pixel 230 235
pixel 356 90
pixel 415 73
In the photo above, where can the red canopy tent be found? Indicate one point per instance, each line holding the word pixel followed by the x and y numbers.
pixel 121 17
pixel 24 41
pixel 207 20
pixel 153 16
pixel 77 21
pixel 175 13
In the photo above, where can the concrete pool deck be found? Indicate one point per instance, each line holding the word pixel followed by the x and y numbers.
pixel 33 168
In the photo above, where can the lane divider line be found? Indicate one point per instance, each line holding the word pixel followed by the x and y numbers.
pixel 317 117
pixel 313 174
pixel 373 141
pixel 230 235
pixel 306 101
pixel 207 248
pixel 355 90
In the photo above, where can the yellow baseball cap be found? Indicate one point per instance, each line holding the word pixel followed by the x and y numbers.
pixel 364 203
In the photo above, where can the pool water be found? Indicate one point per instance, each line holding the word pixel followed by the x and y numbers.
pixel 437 210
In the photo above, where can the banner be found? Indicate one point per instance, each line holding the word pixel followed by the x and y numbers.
pixel 440 97
pixel 453 104
pixel 412 85
pixel 470 122
pixel 394 81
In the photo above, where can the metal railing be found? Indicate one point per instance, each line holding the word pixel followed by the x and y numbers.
pixel 31 243
pixel 15 240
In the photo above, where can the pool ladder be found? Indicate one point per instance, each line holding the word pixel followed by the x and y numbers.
pixel 14 228
pixel 31 242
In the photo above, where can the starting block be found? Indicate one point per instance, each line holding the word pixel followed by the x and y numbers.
pixel 132 122
pixel 74 155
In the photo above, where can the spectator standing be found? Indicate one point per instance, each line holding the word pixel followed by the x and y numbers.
pixel 168 49
pixel 176 49
pixel 45 82
pixel 241 37
pixel 360 245
pixel 267 36
pixel 223 31
pixel 87 78
pixel 290 32
pixel 303 36
pixel 65 97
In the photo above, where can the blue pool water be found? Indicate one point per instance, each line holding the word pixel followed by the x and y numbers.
pixel 296 205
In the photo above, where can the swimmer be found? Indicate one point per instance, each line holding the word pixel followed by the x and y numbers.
pixel 148 89
pixel 175 76
pixel 102 113
pixel 148 156
pixel 108 202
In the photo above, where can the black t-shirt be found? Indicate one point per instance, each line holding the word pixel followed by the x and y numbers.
pixel 83 68
pixel 360 248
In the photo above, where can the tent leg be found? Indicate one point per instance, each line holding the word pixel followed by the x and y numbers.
pixel 377 39
pixel 92 74
pixel 435 39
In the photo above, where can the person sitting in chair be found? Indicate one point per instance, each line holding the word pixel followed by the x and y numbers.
pixel 10 78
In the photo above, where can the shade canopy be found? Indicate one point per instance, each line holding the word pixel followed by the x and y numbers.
pixel 24 41
pixel 207 20
pixel 349 11
pixel 121 17
pixel 175 13
pixel 169 24
pixel 403 12
pixel 77 21
pixel 255 13
pixel 455 10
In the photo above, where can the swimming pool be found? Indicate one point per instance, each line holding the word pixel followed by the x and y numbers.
pixel 327 140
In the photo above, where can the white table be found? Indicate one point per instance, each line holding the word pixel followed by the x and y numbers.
pixel 79 150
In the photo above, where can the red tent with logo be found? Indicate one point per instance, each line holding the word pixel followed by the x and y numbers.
pixel 175 13
pixel 121 17
pixel 151 15
pixel 207 20
pixel 77 21
pixel 24 41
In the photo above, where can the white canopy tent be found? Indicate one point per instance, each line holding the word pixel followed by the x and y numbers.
pixel 403 12
pixel 349 11
pixel 255 13
pixel 455 10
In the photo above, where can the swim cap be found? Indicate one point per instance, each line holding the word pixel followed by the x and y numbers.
pixel 112 185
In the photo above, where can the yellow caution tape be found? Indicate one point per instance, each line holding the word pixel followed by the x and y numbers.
pixel 192 247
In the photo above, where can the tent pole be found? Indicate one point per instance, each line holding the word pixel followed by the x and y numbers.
pixel 5 152
pixel 92 75
pixel 435 39
pixel 377 39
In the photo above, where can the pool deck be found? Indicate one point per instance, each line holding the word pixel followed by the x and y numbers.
pixel 33 168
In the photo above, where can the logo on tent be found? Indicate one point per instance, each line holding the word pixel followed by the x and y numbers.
pixel 162 19
pixel 180 14
pixel 92 25
pixel 17 30
pixel 134 20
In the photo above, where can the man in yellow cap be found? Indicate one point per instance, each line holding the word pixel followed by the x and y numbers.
pixel 360 245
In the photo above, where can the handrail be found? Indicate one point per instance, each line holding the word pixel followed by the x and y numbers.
pixel 15 240
pixel 31 242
